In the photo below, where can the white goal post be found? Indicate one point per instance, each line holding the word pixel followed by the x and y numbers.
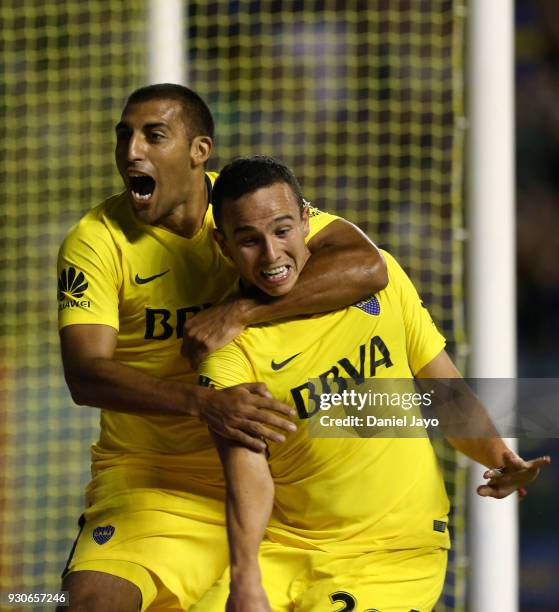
pixel 166 23
pixel 492 525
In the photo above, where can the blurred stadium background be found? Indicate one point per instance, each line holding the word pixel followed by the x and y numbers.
pixel 364 100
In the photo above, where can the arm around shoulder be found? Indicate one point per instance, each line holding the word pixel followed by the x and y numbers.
pixel 345 266
pixel 368 265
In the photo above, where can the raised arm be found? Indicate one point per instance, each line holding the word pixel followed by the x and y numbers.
pixel 508 472
pixel 250 497
pixel 95 378
pixel 344 267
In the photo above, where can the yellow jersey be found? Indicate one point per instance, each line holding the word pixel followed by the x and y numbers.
pixel 351 495
pixel 145 282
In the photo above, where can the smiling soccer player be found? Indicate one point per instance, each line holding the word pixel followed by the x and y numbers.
pixel 317 522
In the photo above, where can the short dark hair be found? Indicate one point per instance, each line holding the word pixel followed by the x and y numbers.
pixel 197 116
pixel 246 175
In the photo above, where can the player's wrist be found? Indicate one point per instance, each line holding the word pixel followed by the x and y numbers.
pixel 247 309
pixel 198 403
pixel 500 454
pixel 245 571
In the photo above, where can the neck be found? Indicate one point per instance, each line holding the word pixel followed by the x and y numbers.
pixel 187 218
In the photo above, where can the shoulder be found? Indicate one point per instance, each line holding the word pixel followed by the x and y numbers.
pixel 397 276
pixel 229 365
pixel 99 223
pixel 390 260
pixel 318 220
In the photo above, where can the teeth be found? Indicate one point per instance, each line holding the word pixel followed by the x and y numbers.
pixel 274 272
pixel 147 196
pixel 140 184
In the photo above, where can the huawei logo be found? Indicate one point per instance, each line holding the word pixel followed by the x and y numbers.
pixel 71 284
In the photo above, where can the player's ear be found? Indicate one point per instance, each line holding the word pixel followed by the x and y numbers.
pixel 200 150
pixel 220 239
pixel 305 218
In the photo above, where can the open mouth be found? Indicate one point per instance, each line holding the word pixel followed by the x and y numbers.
pixel 142 187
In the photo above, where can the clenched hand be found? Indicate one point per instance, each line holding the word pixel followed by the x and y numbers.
pixel 211 329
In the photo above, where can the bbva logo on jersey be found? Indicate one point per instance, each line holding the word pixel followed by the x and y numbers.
pixel 371 357
pixel 161 325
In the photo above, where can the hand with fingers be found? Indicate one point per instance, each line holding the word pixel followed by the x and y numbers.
pixel 211 329
pixel 247 414
pixel 513 476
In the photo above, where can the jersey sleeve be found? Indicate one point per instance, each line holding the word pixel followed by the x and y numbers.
pixel 423 340
pixel 318 220
pixel 226 367
pixel 89 277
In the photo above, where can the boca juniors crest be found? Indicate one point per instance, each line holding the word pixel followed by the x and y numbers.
pixel 103 534
pixel 370 306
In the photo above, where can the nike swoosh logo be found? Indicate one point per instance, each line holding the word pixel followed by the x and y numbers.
pixel 279 366
pixel 148 279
